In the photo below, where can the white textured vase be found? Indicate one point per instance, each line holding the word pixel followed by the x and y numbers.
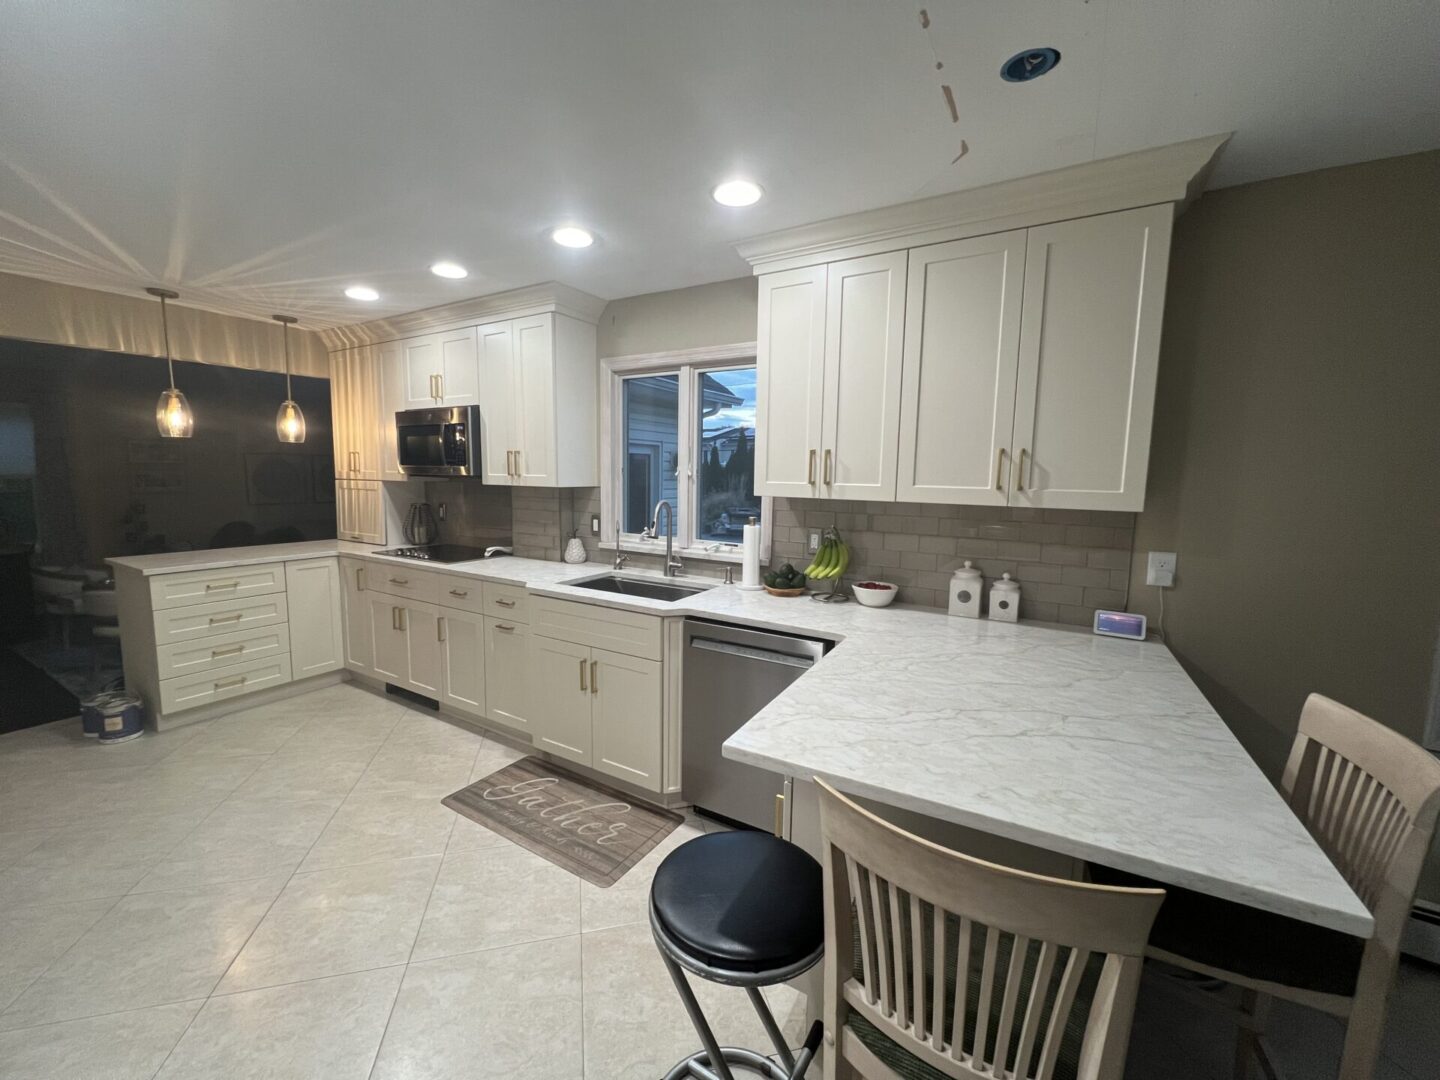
pixel 575 550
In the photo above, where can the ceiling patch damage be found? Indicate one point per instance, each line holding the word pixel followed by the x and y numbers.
pixel 946 90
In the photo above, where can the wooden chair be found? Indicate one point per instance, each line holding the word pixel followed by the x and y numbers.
pixel 968 969
pixel 1370 797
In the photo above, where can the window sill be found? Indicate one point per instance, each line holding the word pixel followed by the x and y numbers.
pixel 704 554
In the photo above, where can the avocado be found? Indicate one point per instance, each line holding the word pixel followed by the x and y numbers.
pixel 787 570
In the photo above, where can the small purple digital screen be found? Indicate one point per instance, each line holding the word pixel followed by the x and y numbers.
pixel 1120 624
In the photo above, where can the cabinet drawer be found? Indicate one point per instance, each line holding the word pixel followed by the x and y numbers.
pixel 225 650
pixel 190 691
pixel 599 627
pixel 205 586
pixel 510 602
pixel 221 617
pixel 463 594
pixel 402 581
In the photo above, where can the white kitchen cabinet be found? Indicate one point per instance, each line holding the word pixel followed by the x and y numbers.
pixel 317 642
pixel 440 369
pixel 864 335
pixel 560 698
pixel 462 660
pixel 1089 352
pixel 537 410
pixel 790 382
pixel 405 636
pixel 359 652
pixel 391 371
pixel 626 716
pixel 507 672
pixel 355 413
pixel 962 344
pixel 390 653
pixel 359 511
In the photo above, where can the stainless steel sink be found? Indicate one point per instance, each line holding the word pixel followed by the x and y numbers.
pixel 646 587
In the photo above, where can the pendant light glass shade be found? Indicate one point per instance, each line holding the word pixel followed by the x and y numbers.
pixel 289 420
pixel 173 417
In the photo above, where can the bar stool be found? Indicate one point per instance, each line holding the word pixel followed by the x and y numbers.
pixel 742 909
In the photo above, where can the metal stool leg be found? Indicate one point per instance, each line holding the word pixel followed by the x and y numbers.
pixel 702 1028
pixel 767 1019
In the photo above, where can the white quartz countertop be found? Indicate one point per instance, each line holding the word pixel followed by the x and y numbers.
pixel 1098 748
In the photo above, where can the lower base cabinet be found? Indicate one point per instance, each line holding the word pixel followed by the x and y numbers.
pixel 597 708
pixel 462 661
pixel 355 604
pixel 317 642
pixel 507 672
pixel 405 642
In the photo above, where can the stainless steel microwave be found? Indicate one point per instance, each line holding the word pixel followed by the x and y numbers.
pixel 439 442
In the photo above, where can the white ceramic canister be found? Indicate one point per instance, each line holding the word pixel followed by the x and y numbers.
pixel 967 586
pixel 1005 600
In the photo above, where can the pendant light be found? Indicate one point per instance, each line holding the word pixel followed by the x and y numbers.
pixel 289 421
pixel 172 412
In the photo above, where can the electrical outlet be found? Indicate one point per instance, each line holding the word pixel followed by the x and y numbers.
pixel 443 511
pixel 814 541
pixel 1160 569
pixel 594 524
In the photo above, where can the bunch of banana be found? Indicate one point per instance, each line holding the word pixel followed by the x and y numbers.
pixel 831 559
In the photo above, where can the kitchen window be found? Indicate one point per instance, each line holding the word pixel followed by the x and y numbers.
pixel 681 427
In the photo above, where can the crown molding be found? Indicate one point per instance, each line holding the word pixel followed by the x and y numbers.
pixel 1165 174
pixel 547 297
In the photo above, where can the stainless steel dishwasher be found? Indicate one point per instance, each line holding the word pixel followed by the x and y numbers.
pixel 729 674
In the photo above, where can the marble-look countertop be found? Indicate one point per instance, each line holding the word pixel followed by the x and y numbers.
pixel 1097 748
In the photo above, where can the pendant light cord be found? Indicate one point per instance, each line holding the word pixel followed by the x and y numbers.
pixel 165 328
pixel 285 337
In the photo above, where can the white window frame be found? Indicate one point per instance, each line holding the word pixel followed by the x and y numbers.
pixel 689 364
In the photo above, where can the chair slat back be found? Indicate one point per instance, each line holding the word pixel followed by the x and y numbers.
pixel 974 968
pixel 1370 797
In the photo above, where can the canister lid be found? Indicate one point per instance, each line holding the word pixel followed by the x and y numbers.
pixel 1005 585
pixel 967 572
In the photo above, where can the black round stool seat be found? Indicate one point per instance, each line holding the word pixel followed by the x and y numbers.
pixel 741 901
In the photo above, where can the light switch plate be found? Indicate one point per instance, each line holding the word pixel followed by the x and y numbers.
pixel 814 544
pixel 1160 569
pixel 594 524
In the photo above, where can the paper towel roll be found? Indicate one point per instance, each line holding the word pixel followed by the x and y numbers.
pixel 750 553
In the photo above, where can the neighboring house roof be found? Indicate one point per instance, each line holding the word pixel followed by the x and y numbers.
pixel 713 391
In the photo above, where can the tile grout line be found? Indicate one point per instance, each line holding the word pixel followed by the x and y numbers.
pixel 264 915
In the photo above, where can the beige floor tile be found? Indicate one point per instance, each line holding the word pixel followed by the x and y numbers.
pixel 15 844
pixel 33 938
pixel 104 858
pixel 426 770
pixel 375 827
pixel 242 839
pixel 331 922
pixel 120 1046
pixel 635 1026
pixel 242 734
pixel 150 949
pixel 327 775
pixel 329 1028
pixel 451 1024
pixel 498 896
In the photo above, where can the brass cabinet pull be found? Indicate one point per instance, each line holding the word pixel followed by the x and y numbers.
pixel 583 687
pixel 226 684
pixel 517 464
pixel 222 585
pixel 779 815
pixel 505 626
pixel 459 592
pixel 999 465
pixel 403 620
pixel 505 603
pixel 1019 482
pixel 399 581
pixel 394 618
pixel 440 628
pixel 233 650
pixel 440 382
pixel 594 676
pixel 827 467
pixel 359 581
pixel 509 462
pixel 226 618
pixel 810 469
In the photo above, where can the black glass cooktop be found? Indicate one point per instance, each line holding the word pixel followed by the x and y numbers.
pixel 445 553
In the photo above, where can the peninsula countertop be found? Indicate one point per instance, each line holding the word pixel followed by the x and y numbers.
pixel 1097 748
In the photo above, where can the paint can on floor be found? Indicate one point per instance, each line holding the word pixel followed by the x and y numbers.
pixel 122 718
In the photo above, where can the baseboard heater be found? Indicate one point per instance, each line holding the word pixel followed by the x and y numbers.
pixel 412 697
pixel 1422 932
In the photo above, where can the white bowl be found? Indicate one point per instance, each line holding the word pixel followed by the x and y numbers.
pixel 875 597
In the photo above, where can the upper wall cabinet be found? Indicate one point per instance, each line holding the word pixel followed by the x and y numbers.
pixel 997 346
pixel 440 369
pixel 355 413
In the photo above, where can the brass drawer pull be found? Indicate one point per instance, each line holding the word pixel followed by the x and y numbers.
pixel 780 815
pixel 399 581
pixel 460 592
pixel 440 628
pixel 594 676
pixel 226 684
pixel 226 618
pixel 502 626
pixel 222 585
pixel 233 650
pixel 505 603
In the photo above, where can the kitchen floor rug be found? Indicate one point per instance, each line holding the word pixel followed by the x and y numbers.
pixel 594 831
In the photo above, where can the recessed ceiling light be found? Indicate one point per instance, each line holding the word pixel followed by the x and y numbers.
pixel 449 270
pixel 1030 64
pixel 572 236
pixel 737 193
pixel 362 292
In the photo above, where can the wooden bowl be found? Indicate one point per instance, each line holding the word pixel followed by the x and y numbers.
pixel 785 592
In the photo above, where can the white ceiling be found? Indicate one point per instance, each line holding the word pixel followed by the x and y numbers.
pixel 260 155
